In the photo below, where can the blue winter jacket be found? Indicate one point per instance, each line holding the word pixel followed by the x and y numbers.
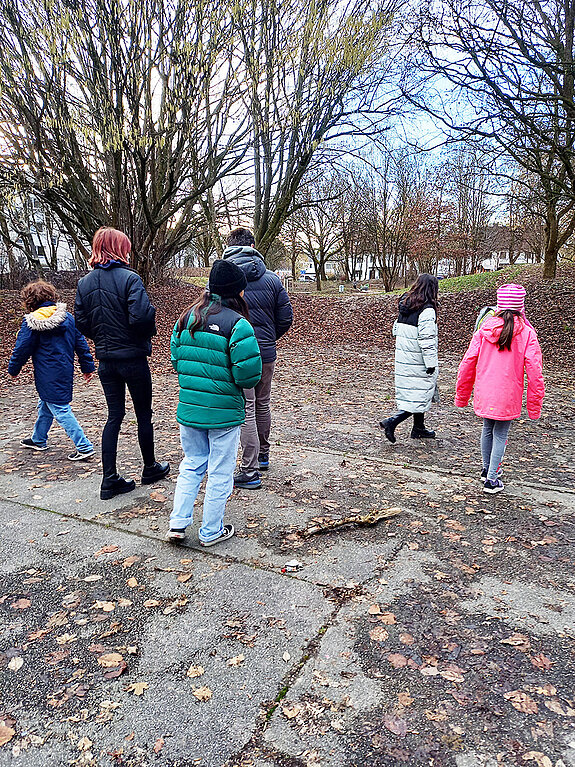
pixel 50 337
pixel 271 313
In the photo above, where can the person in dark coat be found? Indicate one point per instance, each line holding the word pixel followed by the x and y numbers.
pixel 113 308
pixel 49 335
pixel 271 316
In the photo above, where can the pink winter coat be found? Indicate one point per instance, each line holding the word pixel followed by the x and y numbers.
pixel 499 376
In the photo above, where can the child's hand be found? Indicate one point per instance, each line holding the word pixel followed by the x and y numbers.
pixel 88 377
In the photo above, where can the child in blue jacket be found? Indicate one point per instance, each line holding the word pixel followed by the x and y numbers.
pixel 49 335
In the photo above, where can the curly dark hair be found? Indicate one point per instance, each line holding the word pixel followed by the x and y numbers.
pixel 240 236
pixel 422 293
pixel 34 294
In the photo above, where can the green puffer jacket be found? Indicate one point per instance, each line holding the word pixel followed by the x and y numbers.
pixel 213 367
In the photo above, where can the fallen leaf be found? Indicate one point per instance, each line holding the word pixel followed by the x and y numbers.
pixel 158 745
pixel 137 687
pixel 93 578
pixel 541 661
pixel 237 660
pixel 292 711
pixel 109 549
pixel 396 725
pixel 106 607
pixel 537 756
pixel 286 656
pixel 151 603
pixel 129 561
pixel 202 693
pixel 84 744
pixel 155 495
pixel 184 577
pixel 405 699
pixel 429 671
pixel 521 701
pixel 374 610
pixel 195 671
pixel 520 641
pixel 387 618
pixel 15 663
pixel 132 583
pixel 379 634
pixel 406 639
pixel 66 638
pixel 452 674
pixel 123 602
pixel 21 604
pixel 110 659
pixel 397 660
pixel 6 734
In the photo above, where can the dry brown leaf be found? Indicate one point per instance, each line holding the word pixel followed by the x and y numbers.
pixel 379 634
pixel 520 641
pixel 155 495
pixel 137 687
pixel 541 662
pixel 202 693
pixel 452 674
pixel 395 724
pixel 110 659
pixel 195 671
pixel 388 619
pixel 123 602
pixel 406 639
pixel 521 701
pixel 6 734
pixel 66 638
pixel 129 561
pixel 84 744
pixel 405 699
pixel 21 604
pixel 15 663
pixel 537 756
pixel 158 745
pixel 132 583
pixel 397 660
pixel 291 711
pixel 555 706
pixel 109 549
pixel 152 603
pixel 184 577
pixel 374 610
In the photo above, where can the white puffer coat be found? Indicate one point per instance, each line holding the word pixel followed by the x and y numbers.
pixel 415 351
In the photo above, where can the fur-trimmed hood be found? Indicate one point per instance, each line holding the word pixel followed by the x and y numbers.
pixel 47 317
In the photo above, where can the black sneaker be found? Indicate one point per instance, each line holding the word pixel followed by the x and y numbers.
pixel 33 445
pixel 247 480
pixel 80 455
pixel 175 535
pixel 227 532
pixel 155 473
pixel 116 485
pixel 264 461
pixel 493 487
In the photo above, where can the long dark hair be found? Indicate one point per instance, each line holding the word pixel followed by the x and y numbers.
pixel 506 335
pixel 423 292
pixel 206 305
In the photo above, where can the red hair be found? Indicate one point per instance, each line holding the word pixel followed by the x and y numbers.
pixel 110 245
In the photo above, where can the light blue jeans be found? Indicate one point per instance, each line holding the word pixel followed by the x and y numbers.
pixel 214 451
pixel 63 414
pixel 493 444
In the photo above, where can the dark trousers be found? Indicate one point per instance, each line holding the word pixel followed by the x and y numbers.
pixel 115 375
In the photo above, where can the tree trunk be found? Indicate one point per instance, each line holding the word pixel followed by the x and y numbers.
pixel 551 244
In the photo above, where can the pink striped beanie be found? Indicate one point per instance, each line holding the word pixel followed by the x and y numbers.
pixel 511 297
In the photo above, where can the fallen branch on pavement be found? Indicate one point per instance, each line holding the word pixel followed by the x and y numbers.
pixel 325 525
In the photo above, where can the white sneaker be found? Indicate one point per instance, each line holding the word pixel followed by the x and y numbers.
pixel 80 455
pixel 227 532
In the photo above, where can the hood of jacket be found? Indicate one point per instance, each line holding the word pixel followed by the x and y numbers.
pixel 248 259
pixel 47 317
pixel 492 327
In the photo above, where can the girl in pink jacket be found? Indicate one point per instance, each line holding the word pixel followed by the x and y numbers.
pixel 500 353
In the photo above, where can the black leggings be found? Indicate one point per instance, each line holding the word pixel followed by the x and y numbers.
pixel 115 375
pixel 418 418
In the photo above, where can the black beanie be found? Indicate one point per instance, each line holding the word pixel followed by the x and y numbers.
pixel 226 279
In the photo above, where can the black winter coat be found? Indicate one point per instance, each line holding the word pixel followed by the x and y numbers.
pixel 113 308
pixel 271 313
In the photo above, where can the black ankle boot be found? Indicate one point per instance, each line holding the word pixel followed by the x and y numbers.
pixel 390 424
pixel 155 473
pixel 419 431
pixel 115 485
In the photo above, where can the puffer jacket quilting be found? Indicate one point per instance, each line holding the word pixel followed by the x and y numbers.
pixel 50 336
pixel 415 351
pixel 271 313
pixel 113 308
pixel 214 366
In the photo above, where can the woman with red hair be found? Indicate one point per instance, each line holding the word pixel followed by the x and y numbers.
pixel 113 308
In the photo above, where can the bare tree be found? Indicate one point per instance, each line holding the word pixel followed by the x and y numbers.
pixel 120 113
pixel 512 70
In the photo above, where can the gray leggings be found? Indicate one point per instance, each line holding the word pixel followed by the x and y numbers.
pixel 493 443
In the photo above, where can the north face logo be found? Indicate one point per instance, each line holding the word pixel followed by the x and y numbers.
pixel 214 327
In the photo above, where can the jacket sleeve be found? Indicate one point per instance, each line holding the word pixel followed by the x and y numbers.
pixel 141 313
pixel 534 370
pixel 245 355
pixel 84 356
pixel 25 342
pixel 466 372
pixel 174 343
pixel 427 337
pixel 80 315
pixel 283 312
